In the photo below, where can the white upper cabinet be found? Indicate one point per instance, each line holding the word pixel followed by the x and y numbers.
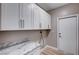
pixel 9 16
pixel 36 16
pixel 27 16
pixel 45 19
pixel 24 16
pixel 33 17
pixel 48 20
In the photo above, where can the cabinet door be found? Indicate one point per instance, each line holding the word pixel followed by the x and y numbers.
pixel 9 16
pixel 44 19
pixel 27 16
pixel 36 15
pixel 48 20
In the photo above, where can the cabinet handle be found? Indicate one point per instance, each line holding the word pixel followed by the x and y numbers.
pixel 40 25
pixel 48 26
pixel 23 23
pixel 19 23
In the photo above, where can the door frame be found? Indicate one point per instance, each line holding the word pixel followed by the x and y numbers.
pixel 74 15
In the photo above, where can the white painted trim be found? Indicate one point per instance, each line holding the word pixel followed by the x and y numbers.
pixel 77 34
pixel 77 15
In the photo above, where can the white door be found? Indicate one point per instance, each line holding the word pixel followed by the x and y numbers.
pixel 9 16
pixel 67 40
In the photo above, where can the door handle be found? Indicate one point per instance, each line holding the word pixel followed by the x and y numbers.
pixel 59 34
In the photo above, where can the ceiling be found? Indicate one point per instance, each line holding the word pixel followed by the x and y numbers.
pixel 50 6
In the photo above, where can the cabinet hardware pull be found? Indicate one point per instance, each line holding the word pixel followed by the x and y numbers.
pixel 19 23
pixel 40 25
pixel 23 23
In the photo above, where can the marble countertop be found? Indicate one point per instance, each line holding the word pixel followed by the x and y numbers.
pixel 20 49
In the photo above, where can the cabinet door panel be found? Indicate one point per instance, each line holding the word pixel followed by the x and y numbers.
pixel 36 16
pixel 48 20
pixel 27 16
pixel 9 16
pixel 44 19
